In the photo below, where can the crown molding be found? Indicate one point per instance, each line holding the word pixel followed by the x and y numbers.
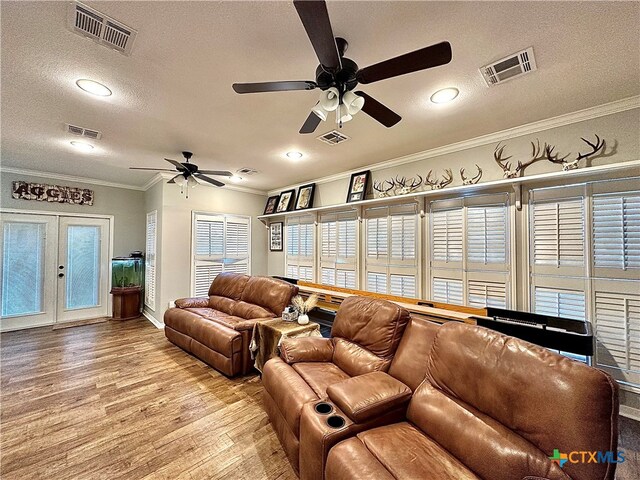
pixel 534 127
pixel 68 178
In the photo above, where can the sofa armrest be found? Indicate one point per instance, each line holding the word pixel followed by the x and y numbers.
pixel 195 302
pixel 306 349
pixel 369 395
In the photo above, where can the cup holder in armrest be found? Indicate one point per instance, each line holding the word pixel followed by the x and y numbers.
pixel 336 421
pixel 323 408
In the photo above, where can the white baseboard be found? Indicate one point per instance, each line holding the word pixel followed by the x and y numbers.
pixel 630 412
pixel 152 319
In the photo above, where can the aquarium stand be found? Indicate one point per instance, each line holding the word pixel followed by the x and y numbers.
pixel 126 302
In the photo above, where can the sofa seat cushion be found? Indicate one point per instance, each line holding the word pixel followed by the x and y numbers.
pixel 288 390
pixel 409 454
pixel 350 460
pixel 320 375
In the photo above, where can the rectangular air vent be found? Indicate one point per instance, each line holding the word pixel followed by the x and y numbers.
pixel 90 23
pixel 82 132
pixel 246 171
pixel 333 137
pixel 509 67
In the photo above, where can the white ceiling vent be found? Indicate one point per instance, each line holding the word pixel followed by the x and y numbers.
pixel 509 67
pixel 82 132
pixel 246 171
pixel 90 23
pixel 333 137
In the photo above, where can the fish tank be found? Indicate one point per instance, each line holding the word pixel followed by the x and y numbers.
pixel 127 272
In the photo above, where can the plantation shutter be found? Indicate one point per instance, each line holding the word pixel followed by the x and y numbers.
pixel 338 249
pixel 150 260
pixel 616 231
pixel 392 250
pixel 487 234
pixel 221 244
pixel 300 240
pixel 446 235
pixel 486 294
pixel 559 302
pixel 447 290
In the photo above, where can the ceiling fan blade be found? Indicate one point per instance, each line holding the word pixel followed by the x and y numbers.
pixel 212 181
pixel 222 173
pixel 274 86
pixel 315 19
pixel 154 169
pixel 311 123
pixel 177 164
pixel 173 180
pixel 428 57
pixel 378 111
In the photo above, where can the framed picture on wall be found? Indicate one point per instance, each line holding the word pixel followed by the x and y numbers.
pixel 275 237
pixel 358 186
pixel 305 196
pixel 286 201
pixel 272 203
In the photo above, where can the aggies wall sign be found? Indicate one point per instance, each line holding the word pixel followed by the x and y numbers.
pixel 52 193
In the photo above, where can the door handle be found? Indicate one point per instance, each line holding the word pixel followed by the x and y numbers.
pixel 60 275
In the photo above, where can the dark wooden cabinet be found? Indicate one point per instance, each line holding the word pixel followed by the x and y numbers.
pixel 126 302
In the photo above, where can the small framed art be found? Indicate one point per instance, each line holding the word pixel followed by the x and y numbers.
pixel 286 201
pixel 272 203
pixel 275 237
pixel 358 186
pixel 304 199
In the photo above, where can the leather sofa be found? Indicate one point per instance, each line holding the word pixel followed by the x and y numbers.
pixel 492 407
pixel 364 337
pixel 217 329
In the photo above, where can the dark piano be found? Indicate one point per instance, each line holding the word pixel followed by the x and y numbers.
pixel 567 335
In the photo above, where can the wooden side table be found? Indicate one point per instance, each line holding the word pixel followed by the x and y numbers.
pixel 267 336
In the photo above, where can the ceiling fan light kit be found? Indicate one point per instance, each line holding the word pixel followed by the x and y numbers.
pixel 338 76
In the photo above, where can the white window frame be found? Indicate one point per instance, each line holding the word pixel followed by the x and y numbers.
pixel 150 260
pixel 224 259
pixel 333 259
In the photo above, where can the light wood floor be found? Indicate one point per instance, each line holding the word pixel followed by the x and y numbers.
pixel 116 400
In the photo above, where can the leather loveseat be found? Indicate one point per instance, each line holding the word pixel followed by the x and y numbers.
pixel 217 329
pixel 364 338
pixel 492 407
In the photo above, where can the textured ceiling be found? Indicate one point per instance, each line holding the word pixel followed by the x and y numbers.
pixel 174 92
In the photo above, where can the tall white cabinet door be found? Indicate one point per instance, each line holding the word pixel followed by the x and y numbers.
pixel 28 270
pixel 83 268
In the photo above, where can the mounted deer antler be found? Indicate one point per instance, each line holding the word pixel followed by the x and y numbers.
pixel 412 186
pixel 599 145
pixel 447 178
pixel 537 154
pixel 472 180
pixel 553 158
pixel 380 187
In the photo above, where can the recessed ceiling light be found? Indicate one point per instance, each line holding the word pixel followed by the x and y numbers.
pixel 236 178
pixel 93 87
pixel 85 147
pixel 294 155
pixel 445 95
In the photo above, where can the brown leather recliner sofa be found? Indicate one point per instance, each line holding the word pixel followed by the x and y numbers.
pixel 492 407
pixel 364 338
pixel 456 402
pixel 217 329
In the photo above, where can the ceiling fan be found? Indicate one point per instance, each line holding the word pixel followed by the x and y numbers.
pixel 337 76
pixel 189 172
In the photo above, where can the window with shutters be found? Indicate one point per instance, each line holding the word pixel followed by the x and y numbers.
pixel 585 264
pixel 338 249
pixel 300 240
pixel 392 250
pixel 151 236
pixel 221 243
pixel 469 251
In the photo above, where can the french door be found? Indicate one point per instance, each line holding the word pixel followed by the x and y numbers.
pixel 53 269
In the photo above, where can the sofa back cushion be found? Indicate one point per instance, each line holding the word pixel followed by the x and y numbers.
pixel 356 360
pixel 269 293
pixel 222 304
pixel 494 400
pixel 230 285
pixel 250 311
pixel 409 364
pixel 376 325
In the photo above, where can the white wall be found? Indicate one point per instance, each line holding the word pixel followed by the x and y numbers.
pixel 126 206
